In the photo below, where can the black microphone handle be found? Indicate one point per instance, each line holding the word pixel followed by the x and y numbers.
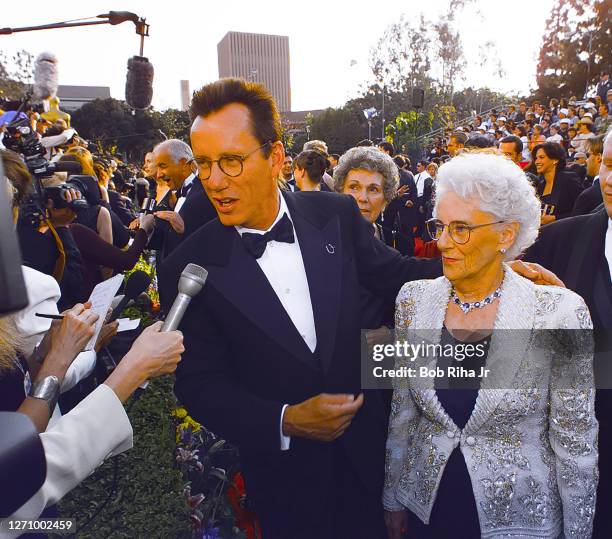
pixel 119 308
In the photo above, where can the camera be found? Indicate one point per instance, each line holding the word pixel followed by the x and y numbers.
pixel 21 138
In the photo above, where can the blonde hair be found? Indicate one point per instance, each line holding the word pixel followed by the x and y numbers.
pixel 84 157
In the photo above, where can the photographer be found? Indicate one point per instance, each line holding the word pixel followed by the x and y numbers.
pixel 45 252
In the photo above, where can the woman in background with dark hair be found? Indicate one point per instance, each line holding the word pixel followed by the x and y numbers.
pixel 308 170
pixel 557 188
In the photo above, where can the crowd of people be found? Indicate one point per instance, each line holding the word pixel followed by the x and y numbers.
pixel 270 348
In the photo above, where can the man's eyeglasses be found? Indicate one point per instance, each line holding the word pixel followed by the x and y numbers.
pixel 230 165
pixel 459 232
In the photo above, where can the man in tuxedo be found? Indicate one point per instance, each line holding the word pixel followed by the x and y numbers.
pixel 174 165
pixel 272 360
pixel 579 250
pixel 591 198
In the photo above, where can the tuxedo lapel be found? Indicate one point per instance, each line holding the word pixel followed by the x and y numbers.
pixel 242 282
pixel 321 248
pixel 320 245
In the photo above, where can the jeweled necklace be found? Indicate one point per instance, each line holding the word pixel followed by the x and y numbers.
pixel 467 306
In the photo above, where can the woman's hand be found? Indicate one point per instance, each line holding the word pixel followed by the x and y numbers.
pixel 153 354
pixel 106 335
pixel 67 339
pixel 396 522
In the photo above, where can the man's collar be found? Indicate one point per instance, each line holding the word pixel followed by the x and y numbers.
pixel 189 179
pixel 282 209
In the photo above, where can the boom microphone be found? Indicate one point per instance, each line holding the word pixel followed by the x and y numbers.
pixel 45 75
pixel 190 284
pixel 137 283
pixel 139 83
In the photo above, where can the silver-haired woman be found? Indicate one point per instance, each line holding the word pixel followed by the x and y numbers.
pixel 511 451
pixel 371 178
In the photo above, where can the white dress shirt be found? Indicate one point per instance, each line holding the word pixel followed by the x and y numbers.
pixel 186 183
pixel 419 179
pixel 608 248
pixel 283 266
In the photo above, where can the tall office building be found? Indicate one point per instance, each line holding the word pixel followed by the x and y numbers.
pixel 185 95
pixel 260 58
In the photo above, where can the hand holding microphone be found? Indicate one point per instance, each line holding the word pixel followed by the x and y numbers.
pixel 153 354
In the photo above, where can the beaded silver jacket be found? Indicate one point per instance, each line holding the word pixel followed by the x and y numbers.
pixel 530 445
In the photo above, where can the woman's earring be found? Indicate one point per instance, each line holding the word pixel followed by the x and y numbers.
pixel 503 250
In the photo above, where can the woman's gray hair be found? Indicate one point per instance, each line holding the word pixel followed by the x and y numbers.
pixel 500 187
pixel 372 159
pixel 176 148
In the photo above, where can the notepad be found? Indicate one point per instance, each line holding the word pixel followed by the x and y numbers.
pixel 101 299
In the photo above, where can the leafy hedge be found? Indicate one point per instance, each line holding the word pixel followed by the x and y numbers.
pixel 148 501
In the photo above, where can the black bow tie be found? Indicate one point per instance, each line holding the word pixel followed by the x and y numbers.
pixel 281 231
pixel 184 190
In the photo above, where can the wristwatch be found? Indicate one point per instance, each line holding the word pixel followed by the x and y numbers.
pixel 48 390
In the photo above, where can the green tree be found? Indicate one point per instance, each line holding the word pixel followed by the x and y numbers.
pixel 16 73
pixel 576 47
pixel 339 128
pixel 110 122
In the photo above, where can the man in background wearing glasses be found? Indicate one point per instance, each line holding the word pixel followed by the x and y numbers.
pixel 272 359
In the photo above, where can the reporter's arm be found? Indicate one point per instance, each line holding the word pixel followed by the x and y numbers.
pixel 96 429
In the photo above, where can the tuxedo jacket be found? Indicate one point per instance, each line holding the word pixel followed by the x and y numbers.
pixel 244 358
pixel 573 249
pixel 196 211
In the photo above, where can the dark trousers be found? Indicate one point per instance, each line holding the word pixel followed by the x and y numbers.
pixel 351 511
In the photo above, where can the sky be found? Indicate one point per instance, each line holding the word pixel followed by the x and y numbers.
pixel 329 41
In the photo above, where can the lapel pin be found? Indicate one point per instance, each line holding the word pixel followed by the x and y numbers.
pixel 330 248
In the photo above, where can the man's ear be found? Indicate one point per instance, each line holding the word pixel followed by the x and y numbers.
pixel 277 155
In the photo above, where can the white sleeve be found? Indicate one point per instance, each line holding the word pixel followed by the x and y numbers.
pixel 96 429
pixel 80 368
pixel 57 140
pixel 285 441
pixel 43 295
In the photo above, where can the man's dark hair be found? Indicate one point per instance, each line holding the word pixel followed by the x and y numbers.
pixel 387 147
pixel 264 116
pixel 399 161
pixel 480 141
pixel 552 151
pixel 460 137
pixel 518 143
pixel 313 162
pixel 423 162
pixel 365 142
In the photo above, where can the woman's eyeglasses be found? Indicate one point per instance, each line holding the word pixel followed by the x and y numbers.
pixel 459 232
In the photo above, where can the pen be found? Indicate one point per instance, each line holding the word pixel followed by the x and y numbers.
pixel 51 316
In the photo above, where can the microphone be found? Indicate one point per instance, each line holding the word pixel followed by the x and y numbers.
pixel 190 284
pixel 139 83
pixel 45 75
pixel 138 282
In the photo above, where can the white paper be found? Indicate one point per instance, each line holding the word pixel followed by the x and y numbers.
pixel 125 324
pixel 101 299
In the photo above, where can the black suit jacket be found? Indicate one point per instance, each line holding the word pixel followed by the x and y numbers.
pixel 196 211
pixel 588 200
pixel 574 249
pixel 244 359
pixel 125 214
